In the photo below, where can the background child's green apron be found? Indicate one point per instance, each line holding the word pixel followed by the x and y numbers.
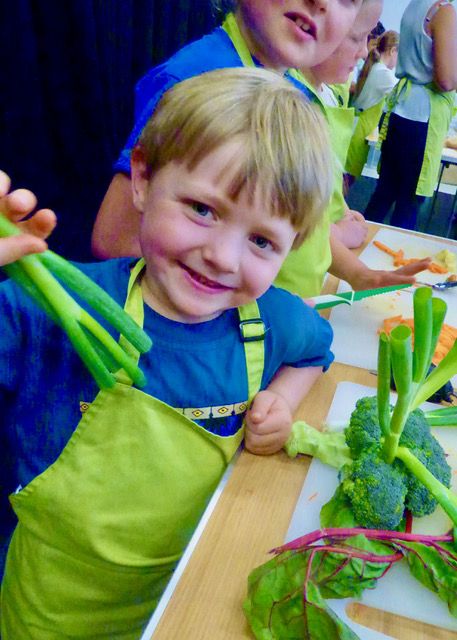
pixel 367 122
pixel 101 530
pixel 441 107
pixel 304 269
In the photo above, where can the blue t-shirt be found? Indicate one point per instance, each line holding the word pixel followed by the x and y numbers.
pixel 213 51
pixel 197 368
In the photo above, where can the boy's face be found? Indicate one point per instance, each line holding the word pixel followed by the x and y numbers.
pixel 340 65
pixel 295 33
pixel 204 251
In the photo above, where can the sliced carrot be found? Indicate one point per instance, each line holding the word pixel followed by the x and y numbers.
pixel 401 261
pixel 448 335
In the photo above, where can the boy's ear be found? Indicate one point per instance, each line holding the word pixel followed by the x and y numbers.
pixel 140 174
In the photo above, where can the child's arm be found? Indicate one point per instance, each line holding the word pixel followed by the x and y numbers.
pixel 117 226
pixel 351 230
pixel 347 266
pixel 269 419
pixel 16 205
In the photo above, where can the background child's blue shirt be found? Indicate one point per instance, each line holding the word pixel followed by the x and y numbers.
pixel 199 369
pixel 213 51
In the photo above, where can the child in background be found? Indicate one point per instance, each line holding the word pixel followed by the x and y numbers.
pixel 327 77
pixel 272 34
pixel 279 35
pixel 375 82
pixel 419 111
pixel 377 77
pixel 231 171
pixel 346 227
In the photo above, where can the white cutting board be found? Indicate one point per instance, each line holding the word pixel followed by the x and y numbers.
pixel 397 592
pixel 355 327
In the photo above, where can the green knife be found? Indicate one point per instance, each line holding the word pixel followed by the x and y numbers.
pixel 348 297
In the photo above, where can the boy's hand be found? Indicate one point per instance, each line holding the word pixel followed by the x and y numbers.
pixel 16 205
pixel 268 423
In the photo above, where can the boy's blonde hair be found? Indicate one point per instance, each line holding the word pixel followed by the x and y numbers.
pixel 284 145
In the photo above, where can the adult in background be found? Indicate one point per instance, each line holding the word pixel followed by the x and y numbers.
pixel 419 112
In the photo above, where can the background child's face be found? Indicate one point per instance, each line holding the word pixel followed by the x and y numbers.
pixel 204 251
pixel 295 33
pixel 340 65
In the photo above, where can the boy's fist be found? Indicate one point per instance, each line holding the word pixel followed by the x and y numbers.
pixel 268 423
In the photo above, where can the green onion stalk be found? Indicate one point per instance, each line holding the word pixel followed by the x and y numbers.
pixel 414 385
pixel 100 352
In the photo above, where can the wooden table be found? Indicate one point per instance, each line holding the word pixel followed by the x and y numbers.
pixel 251 517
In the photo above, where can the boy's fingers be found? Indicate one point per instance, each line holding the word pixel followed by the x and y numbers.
pixel 18 246
pixel 18 204
pixel 41 223
pixel 5 184
pixel 263 445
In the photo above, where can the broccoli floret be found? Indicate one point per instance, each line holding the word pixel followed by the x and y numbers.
pixel 377 491
pixel 416 432
pixel 363 431
pixel 419 500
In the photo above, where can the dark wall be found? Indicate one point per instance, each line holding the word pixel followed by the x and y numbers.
pixel 68 72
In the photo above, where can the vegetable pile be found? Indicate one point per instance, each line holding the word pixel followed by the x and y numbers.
pixel 101 354
pixel 399 259
pixel 391 468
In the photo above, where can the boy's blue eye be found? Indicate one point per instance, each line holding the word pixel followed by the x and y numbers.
pixel 261 242
pixel 202 209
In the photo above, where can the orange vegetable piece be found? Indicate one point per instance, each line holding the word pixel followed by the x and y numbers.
pixel 400 260
pixel 445 342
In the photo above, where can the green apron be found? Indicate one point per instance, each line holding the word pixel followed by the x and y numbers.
pixel 367 122
pixel 441 107
pixel 101 530
pixel 304 269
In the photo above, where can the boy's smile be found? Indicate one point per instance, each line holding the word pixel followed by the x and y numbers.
pixel 205 251
pixel 294 33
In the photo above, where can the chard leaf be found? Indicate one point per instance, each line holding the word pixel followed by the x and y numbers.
pixel 345 576
pixel 286 595
pixel 274 606
pixel 283 604
pixel 435 566
pixel 320 620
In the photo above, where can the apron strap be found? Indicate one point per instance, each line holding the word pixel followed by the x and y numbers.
pixel 135 308
pixel 252 331
pixel 403 85
pixel 232 29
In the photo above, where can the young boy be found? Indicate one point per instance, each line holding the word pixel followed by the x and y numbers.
pixel 232 170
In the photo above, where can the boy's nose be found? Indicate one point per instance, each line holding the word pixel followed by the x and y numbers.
pixel 320 4
pixel 223 254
